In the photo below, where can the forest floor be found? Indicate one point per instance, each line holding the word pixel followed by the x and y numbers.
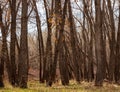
pixel 35 86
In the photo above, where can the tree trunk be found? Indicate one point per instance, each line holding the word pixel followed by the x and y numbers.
pixel 117 64
pixel 63 65
pixel 90 62
pixel 4 51
pixel 1 62
pixel 12 43
pixel 98 42
pixel 48 53
pixel 40 41
pixel 74 45
pixel 23 55
pixel 112 43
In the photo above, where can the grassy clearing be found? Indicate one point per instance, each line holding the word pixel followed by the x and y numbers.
pixel 34 86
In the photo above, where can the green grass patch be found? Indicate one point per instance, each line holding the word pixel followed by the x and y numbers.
pixel 35 86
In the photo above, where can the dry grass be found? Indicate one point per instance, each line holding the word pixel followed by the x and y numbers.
pixel 34 86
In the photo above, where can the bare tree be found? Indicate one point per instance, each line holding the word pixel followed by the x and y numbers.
pixel 13 40
pixel 23 65
pixel 40 41
pixel 98 43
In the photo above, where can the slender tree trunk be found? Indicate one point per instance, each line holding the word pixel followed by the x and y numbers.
pixel 104 52
pixel 117 64
pixel 48 52
pixel 85 48
pixel 63 64
pixel 12 43
pixel 1 62
pixel 40 41
pixel 74 45
pixel 90 62
pixel 1 73
pixel 112 43
pixel 4 51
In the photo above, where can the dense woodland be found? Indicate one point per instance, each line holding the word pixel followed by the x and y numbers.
pixel 78 38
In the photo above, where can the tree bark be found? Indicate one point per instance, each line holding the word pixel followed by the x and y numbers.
pixel 23 64
pixel 112 42
pixel 48 52
pixel 40 41
pixel 12 43
pixel 74 45
pixel 117 64
pixel 1 62
pixel 98 42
